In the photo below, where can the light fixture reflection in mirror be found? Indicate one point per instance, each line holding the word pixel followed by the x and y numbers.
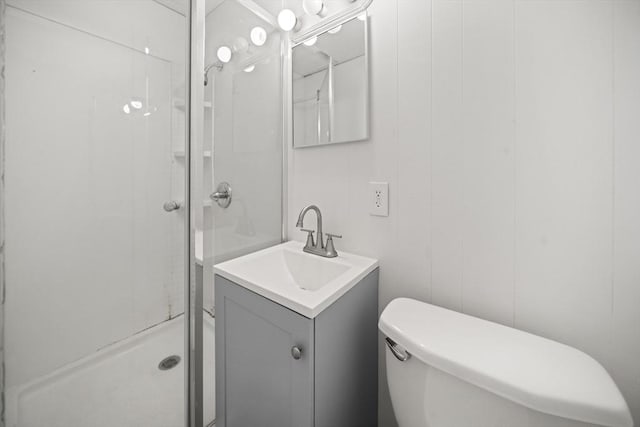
pixel 258 36
pixel 136 106
pixel 136 103
pixel 311 41
pixel 335 30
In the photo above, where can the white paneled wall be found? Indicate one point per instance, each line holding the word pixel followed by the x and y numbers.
pixel 564 190
pixel 509 132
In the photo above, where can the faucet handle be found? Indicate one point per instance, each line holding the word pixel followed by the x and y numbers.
pixel 330 249
pixel 310 243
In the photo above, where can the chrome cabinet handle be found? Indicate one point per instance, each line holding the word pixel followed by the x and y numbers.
pixel 222 195
pixel 401 356
pixel 296 352
pixel 171 206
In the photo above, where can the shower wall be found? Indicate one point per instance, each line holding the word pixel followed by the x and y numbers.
pixel 89 249
pixel 245 130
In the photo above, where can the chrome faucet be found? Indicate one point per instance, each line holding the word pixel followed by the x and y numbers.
pixel 313 246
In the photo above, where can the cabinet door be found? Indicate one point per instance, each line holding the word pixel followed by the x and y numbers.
pixel 259 382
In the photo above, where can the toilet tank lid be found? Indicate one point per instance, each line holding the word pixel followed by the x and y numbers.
pixel 535 372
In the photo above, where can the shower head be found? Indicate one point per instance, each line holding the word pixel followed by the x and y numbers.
pixel 218 65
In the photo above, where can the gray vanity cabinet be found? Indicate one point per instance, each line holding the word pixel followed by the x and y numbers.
pixel 262 380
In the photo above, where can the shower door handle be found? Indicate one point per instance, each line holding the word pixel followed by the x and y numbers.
pixel 171 206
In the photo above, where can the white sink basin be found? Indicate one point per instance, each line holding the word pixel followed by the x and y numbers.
pixel 302 282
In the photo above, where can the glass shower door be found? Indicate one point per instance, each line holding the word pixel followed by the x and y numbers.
pixel 242 142
pixel 94 205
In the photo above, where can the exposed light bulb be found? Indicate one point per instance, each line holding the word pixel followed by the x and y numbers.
pixel 334 30
pixel 287 20
pixel 311 41
pixel 224 54
pixel 258 36
pixel 250 68
pixel 314 7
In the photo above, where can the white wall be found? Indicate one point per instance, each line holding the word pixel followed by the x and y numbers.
pixel 88 247
pixel 508 132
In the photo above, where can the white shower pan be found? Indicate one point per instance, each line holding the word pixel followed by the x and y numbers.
pixel 120 385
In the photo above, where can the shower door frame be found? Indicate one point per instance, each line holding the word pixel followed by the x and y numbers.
pixel 193 296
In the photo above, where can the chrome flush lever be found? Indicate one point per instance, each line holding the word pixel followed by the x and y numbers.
pixel 402 356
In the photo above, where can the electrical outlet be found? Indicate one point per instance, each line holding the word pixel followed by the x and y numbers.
pixel 379 192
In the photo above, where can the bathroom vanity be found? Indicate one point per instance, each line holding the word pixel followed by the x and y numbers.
pixel 296 340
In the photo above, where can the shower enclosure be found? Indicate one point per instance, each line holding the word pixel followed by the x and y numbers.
pixel 113 150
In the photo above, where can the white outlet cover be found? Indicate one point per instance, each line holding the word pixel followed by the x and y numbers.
pixel 379 198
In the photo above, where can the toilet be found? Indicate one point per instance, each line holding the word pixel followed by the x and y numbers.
pixel 447 369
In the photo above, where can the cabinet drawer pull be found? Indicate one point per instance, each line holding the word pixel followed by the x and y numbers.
pixel 296 352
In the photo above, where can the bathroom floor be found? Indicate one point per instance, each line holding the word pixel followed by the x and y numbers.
pixel 120 385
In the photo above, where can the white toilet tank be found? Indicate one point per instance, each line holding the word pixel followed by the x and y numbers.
pixel 461 371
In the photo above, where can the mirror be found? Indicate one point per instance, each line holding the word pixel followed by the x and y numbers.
pixel 331 86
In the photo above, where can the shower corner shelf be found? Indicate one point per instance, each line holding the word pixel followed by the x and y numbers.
pixel 179 104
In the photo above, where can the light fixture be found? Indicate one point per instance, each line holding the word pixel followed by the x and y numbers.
pixel 147 51
pixel 311 41
pixel 334 30
pixel 258 36
pixel 224 54
pixel 126 109
pixel 250 68
pixel 287 20
pixel 314 7
pixel 362 17
pixel 136 103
